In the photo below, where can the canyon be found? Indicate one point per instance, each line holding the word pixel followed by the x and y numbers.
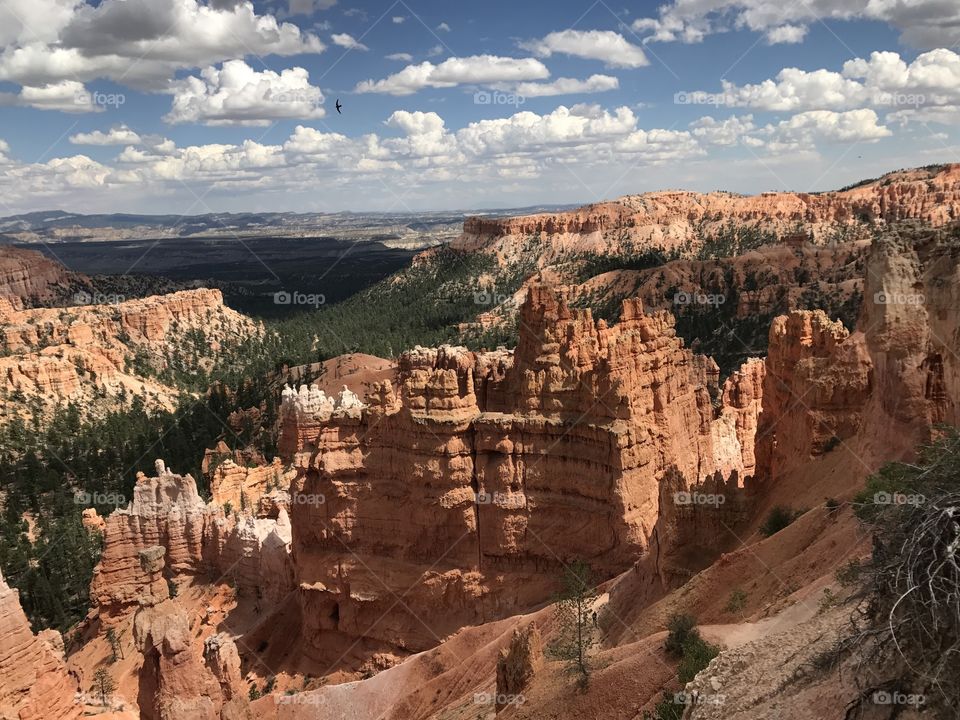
pixel 399 556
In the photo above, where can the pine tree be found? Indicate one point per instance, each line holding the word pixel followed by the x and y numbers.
pixel 574 615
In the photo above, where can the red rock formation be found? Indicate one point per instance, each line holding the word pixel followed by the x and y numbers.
pixel 877 392
pixel 672 218
pixel 175 684
pixel 485 471
pixel 34 684
pixel 245 487
pixel 57 355
pixel 166 512
pixel 28 277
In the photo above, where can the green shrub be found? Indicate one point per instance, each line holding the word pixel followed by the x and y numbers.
pixel 779 518
pixel 697 654
pixel 680 627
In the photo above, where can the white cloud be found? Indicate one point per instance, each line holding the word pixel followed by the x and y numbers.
pixel 66 96
pixel 528 131
pixel 443 27
pixel 787 34
pixel 398 19
pixel 120 135
pixel 804 129
pixel 477 69
pixel 568 86
pixel 137 42
pixel 346 41
pixel 922 23
pixel 730 131
pixel 237 94
pixel 884 81
pixel 606 45
pixel 403 57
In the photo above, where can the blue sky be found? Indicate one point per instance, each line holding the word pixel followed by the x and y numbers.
pixel 191 106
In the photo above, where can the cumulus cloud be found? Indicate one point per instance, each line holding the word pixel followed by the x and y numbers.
pixel 347 41
pixel 67 96
pixel 731 131
pixel 884 81
pixel 610 47
pixel 120 135
pixel 237 94
pixel 477 69
pixel 805 129
pixel 137 42
pixel 922 23
pixel 443 27
pixel 568 86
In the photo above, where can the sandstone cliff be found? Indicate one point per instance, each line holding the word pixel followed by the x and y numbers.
pixel 30 278
pixel 194 538
pixel 671 219
pixel 34 684
pixel 76 354
pixel 875 393
pixel 483 472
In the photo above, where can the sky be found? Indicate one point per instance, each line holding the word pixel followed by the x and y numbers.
pixel 195 106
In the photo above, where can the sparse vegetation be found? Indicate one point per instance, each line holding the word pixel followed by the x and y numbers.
pixel 737 601
pixel 777 519
pixel 573 613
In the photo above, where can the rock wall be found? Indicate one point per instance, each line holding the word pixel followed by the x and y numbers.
pixel 878 391
pixel 673 218
pixel 28 277
pixel 194 538
pixel 34 683
pixel 463 491
pixel 58 355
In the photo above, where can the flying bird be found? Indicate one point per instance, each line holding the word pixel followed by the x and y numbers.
pixel 338 106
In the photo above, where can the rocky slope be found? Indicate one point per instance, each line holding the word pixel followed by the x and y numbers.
pixel 52 356
pixel 34 683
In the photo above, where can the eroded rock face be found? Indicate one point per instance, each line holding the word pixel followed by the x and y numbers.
pixel 175 684
pixel 878 391
pixel 79 353
pixel 168 532
pixel 34 683
pixel 671 218
pixel 28 277
pixel 252 490
pixel 483 472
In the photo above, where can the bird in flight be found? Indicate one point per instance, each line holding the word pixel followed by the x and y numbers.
pixel 338 106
